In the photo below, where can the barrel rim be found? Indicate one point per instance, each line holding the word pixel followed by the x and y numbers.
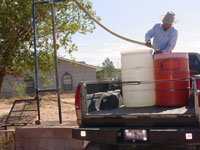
pixel 142 51
pixel 171 55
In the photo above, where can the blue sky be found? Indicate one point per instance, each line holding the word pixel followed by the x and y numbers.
pixel 132 19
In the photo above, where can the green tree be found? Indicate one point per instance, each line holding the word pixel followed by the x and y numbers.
pixel 16 33
pixel 108 71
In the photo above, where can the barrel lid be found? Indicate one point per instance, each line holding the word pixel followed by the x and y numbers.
pixel 170 55
pixel 138 51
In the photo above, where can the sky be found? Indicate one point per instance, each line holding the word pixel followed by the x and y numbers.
pixel 132 19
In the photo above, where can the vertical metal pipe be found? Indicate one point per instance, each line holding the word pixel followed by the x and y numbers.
pixel 36 62
pixel 56 61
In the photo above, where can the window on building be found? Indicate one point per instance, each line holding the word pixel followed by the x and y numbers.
pixel 67 82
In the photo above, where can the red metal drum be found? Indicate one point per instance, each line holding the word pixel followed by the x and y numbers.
pixel 173 71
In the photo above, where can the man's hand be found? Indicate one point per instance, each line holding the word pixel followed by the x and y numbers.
pixel 157 52
pixel 148 44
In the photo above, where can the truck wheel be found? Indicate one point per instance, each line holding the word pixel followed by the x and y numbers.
pixel 93 146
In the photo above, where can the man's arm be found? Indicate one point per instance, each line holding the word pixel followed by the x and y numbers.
pixel 148 37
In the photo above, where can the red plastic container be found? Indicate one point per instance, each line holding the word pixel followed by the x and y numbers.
pixel 169 68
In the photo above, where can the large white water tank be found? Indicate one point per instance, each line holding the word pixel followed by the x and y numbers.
pixel 137 65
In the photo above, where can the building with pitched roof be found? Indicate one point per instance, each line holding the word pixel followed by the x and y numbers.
pixel 70 74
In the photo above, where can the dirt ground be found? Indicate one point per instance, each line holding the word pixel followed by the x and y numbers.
pixel 48 109
pixel 49 113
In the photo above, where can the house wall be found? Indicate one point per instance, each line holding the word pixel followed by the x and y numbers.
pixel 78 73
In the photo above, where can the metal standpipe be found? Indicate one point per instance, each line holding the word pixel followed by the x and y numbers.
pixel 55 58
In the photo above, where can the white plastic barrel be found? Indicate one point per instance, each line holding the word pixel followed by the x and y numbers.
pixel 137 65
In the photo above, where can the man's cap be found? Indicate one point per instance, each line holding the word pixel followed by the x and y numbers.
pixel 169 18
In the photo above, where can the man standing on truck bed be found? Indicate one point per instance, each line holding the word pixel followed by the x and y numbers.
pixel 164 35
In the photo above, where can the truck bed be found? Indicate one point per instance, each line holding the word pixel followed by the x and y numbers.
pixel 153 116
pixel 153 110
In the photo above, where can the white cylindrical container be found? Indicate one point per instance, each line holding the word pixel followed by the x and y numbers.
pixel 137 65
